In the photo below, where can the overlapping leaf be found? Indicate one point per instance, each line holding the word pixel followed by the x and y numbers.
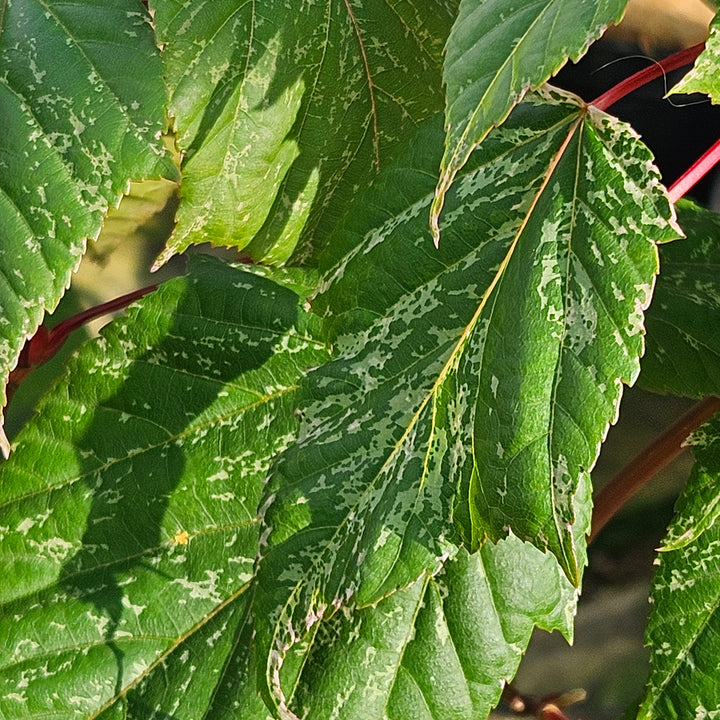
pixel 80 112
pixel 128 509
pixel 704 77
pixel 442 647
pixel 496 52
pixel 283 111
pixel 683 342
pixel 474 382
pixel 684 625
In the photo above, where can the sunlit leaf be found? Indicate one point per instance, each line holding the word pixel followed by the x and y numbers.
pixel 496 52
pixel 705 74
pixel 472 384
pixel 128 508
pixel 282 110
pixel 81 106
pixel 440 648
pixel 684 627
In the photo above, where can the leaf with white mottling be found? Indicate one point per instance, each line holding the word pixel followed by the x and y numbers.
pixel 497 51
pixel 283 110
pixel 684 624
pixel 473 384
pixel 705 74
pixel 128 510
pixel 683 321
pixel 80 113
pixel 442 648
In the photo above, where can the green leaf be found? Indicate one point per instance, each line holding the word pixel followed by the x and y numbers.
pixel 496 52
pixel 283 112
pixel 128 510
pixel 441 648
pixel 474 382
pixel 699 506
pixel 705 74
pixel 683 322
pixel 684 623
pixel 81 107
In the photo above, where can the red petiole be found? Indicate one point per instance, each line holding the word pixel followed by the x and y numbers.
pixel 665 448
pixel 695 173
pixel 658 68
pixel 46 343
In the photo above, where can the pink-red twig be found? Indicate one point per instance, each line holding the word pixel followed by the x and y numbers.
pixel 46 343
pixel 658 68
pixel 695 173
pixel 647 463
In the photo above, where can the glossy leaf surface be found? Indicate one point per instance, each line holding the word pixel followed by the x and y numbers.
pixel 473 384
pixel 282 110
pixel 81 106
pixel 496 52
pixel 128 508
pixel 684 624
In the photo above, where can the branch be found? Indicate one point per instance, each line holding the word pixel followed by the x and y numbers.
pixel 658 68
pixel 695 173
pixel 644 466
pixel 45 344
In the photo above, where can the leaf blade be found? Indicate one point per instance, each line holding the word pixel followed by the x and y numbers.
pixel 151 530
pixel 364 502
pixel 312 99
pixel 684 644
pixel 76 132
pixel 682 345
pixel 495 54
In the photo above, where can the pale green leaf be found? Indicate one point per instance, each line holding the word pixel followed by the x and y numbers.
pixel 81 106
pixel 684 624
pixel 282 111
pixel 705 74
pixel 683 322
pixel 128 510
pixel 496 52
pixel 473 384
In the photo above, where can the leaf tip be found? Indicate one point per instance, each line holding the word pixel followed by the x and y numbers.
pixel 162 259
pixel 4 443
pixel 435 210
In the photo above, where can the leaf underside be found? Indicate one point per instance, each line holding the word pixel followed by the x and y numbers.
pixel 497 361
pixel 80 113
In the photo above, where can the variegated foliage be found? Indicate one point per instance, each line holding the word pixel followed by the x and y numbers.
pixel 353 486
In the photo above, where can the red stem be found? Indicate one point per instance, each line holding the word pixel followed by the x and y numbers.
pixel 695 173
pixel 644 466
pixel 658 68
pixel 56 337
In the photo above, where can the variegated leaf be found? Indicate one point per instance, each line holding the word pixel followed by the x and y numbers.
pixel 282 111
pixel 704 75
pixel 496 52
pixel 684 624
pixel 474 383
pixel 683 322
pixel 128 510
pixel 80 115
